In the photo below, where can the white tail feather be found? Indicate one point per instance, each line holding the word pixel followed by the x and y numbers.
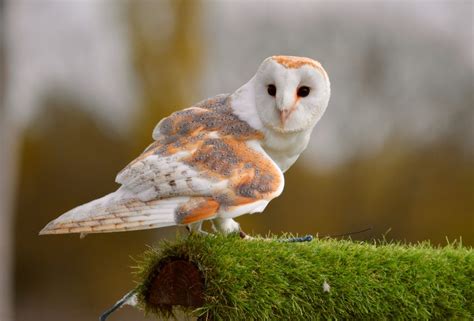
pixel 115 212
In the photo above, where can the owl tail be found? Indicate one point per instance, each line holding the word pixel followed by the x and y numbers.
pixel 116 212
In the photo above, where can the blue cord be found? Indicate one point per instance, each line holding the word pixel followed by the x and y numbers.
pixel 300 239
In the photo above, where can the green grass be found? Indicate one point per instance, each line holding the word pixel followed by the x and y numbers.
pixel 271 280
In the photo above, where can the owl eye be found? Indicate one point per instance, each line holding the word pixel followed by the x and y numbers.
pixel 303 91
pixel 272 90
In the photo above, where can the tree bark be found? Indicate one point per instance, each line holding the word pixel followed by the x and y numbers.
pixel 179 282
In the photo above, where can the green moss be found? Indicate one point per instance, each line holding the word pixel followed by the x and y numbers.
pixel 272 280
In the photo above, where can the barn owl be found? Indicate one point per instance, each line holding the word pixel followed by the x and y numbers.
pixel 219 159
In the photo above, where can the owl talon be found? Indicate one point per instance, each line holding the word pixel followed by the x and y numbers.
pixel 245 236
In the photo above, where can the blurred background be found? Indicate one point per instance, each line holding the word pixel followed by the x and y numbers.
pixel 82 84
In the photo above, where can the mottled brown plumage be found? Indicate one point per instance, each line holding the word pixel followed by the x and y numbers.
pixel 216 141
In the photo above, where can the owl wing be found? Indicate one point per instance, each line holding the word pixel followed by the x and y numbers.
pixel 204 161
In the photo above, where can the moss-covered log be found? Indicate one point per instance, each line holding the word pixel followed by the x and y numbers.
pixel 226 278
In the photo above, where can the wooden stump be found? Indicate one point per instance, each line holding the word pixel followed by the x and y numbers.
pixel 177 283
pixel 225 278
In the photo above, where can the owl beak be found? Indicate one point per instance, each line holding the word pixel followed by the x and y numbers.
pixel 284 114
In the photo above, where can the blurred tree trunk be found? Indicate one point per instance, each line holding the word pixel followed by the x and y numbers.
pixel 7 175
pixel 167 43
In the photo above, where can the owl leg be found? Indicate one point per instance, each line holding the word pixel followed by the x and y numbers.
pixel 228 226
pixel 196 227
pixel 225 225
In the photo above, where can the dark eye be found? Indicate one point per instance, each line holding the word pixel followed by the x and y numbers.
pixel 303 91
pixel 272 90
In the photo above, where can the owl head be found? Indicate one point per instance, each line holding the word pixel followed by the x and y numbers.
pixel 291 93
